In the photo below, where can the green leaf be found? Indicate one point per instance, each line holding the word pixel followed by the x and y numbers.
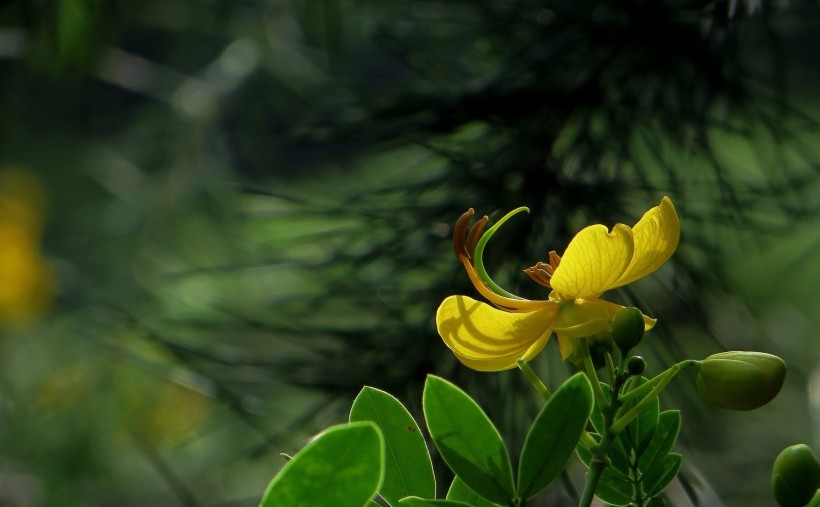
pixel 554 435
pixel 467 440
pixel 658 501
pixel 614 487
pixel 345 460
pixel 584 454
pixel 414 501
pixel 659 477
pixel 639 432
pixel 408 470
pixel 662 440
pixel 460 492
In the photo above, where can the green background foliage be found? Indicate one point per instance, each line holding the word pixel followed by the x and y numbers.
pixel 246 210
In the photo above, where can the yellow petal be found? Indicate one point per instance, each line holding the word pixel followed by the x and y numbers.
pixel 566 345
pixel 487 339
pixel 593 261
pixel 655 237
pixel 586 318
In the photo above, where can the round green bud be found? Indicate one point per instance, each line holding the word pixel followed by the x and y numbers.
pixel 796 476
pixel 636 365
pixel 628 328
pixel 740 380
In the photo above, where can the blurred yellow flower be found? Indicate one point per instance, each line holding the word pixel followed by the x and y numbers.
pixel 488 338
pixel 26 285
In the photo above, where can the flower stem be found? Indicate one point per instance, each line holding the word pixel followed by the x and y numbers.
pixel 596 469
pixel 658 385
pixel 610 368
pixel 536 382
pixel 599 460
pixel 646 387
pixel 589 369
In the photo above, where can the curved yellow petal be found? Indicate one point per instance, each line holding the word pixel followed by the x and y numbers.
pixel 656 237
pixel 487 339
pixel 594 260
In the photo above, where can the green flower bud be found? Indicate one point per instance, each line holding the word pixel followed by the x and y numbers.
pixel 795 477
pixel 740 380
pixel 636 365
pixel 628 328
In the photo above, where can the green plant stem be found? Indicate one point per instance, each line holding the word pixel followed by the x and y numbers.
pixel 596 469
pixel 622 364
pixel 536 382
pixel 644 388
pixel 586 439
pixel 600 460
pixel 610 368
pixel 659 383
pixel 589 369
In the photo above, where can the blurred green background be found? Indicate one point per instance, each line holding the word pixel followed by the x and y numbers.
pixel 220 219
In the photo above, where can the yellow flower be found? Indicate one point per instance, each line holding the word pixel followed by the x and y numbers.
pixel 488 338
pixel 26 284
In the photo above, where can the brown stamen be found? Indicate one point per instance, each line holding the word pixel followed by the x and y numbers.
pixel 464 242
pixel 475 234
pixel 542 272
pixel 460 234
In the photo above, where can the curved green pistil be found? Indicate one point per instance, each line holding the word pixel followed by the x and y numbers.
pixel 479 250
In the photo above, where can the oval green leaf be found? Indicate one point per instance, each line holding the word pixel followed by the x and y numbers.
pixel 662 440
pixel 345 460
pixel 467 441
pixel 408 470
pixel 554 435
pixel 614 488
pixel 659 477
pixel 460 492
pixel 414 501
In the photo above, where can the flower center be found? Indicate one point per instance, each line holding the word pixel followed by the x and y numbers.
pixel 542 272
